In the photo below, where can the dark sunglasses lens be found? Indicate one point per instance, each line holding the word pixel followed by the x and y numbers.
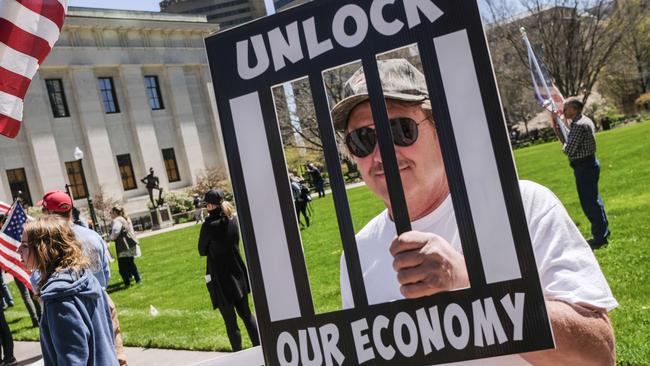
pixel 361 141
pixel 405 131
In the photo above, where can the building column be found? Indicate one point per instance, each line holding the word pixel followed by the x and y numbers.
pixel 5 193
pixel 214 118
pixel 37 126
pixel 184 122
pixel 99 161
pixel 141 122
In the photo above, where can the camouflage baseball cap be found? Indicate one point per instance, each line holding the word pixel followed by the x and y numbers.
pixel 399 80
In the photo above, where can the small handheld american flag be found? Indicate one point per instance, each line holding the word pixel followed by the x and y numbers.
pixel 10 235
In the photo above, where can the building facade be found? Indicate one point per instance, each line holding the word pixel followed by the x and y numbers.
pixel 133 91
pixel 226 13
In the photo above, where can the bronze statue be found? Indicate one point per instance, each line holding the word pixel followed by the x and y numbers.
pixel 152 182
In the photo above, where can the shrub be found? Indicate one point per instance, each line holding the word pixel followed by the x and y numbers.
pixel 177 202
pixel 211 178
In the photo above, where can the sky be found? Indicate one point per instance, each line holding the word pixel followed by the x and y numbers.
pixel 149 5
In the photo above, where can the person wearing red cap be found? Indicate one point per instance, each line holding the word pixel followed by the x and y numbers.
pixel 94 247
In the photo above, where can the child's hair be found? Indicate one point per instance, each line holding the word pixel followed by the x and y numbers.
pixel 53 246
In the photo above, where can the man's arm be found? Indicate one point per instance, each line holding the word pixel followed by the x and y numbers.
pixel 427 264
pixel 582 337
pixel 576 139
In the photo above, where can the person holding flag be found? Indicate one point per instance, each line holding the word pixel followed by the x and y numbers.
pixel 12 229
pixel 580 148
pixel 578 143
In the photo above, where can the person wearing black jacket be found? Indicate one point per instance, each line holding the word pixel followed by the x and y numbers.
pixel 226 276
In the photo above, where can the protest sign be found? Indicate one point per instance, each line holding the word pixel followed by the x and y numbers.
pixel 503 311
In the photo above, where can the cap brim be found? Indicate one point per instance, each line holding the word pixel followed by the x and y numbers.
pixel 342 109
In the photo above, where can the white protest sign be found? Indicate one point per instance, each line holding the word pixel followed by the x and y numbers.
pixel 503 311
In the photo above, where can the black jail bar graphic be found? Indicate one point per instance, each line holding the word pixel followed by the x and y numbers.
pixel 306 41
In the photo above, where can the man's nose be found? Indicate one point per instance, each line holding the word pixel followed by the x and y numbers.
pixel 376 154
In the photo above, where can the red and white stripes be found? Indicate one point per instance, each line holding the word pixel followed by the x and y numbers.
pixel 28 31
pixel 10 260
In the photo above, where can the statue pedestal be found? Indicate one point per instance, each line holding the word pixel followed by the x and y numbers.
pixel 161 218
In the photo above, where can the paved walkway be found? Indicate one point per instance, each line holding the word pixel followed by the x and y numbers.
pixel 29 354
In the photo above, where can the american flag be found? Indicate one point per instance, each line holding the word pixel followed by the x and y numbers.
pixel 28 31
pixel 10 235
pixel 546 92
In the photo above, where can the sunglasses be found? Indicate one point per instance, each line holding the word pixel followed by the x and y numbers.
pixel 361 142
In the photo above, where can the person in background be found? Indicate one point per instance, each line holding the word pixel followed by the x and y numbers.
pixel 7 299
pixel 300 199
pixel 77 219
pixel 317 179
pixel 121 231
pixel 76 327
pixel 59 203
pixel 6 340
pixel 32 305
pixel 225 272
pixel 198 208
pixel 580 148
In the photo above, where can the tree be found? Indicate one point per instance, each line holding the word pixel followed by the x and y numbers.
pixel 103 204
pixel 627 73
pixel 211 178
pixel 575 38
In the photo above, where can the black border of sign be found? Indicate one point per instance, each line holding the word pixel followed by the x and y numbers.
pixel 458 15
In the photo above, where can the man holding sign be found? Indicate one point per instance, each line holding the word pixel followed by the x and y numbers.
pixel 429 259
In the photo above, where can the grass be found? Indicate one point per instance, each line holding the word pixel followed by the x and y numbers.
pixel 173 272
pixel 624 156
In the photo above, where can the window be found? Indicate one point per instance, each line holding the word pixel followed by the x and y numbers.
pixel 76 177
pixel 57 98
pixel 18 185
pixel 107 91
pixel 126 171
pixel 153 92
pixel 170 165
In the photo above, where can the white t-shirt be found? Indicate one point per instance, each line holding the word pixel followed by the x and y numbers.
pixel 568 270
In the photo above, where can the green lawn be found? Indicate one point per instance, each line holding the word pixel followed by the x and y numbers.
pixel 173 272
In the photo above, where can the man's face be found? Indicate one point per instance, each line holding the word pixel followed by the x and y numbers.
pixel 570 112
pixel 421 166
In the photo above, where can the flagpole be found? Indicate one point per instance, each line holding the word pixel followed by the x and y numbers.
pixel 539 72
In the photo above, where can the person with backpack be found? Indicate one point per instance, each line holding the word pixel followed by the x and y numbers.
pixel 126 245
pixel 301 199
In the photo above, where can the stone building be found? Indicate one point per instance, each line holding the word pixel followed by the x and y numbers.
pixel 133 91
pixel 226 13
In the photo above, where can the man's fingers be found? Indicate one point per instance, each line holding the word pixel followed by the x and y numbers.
pixel 416 290
pixel 408 241
pixel 407 260
pixel 411 275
